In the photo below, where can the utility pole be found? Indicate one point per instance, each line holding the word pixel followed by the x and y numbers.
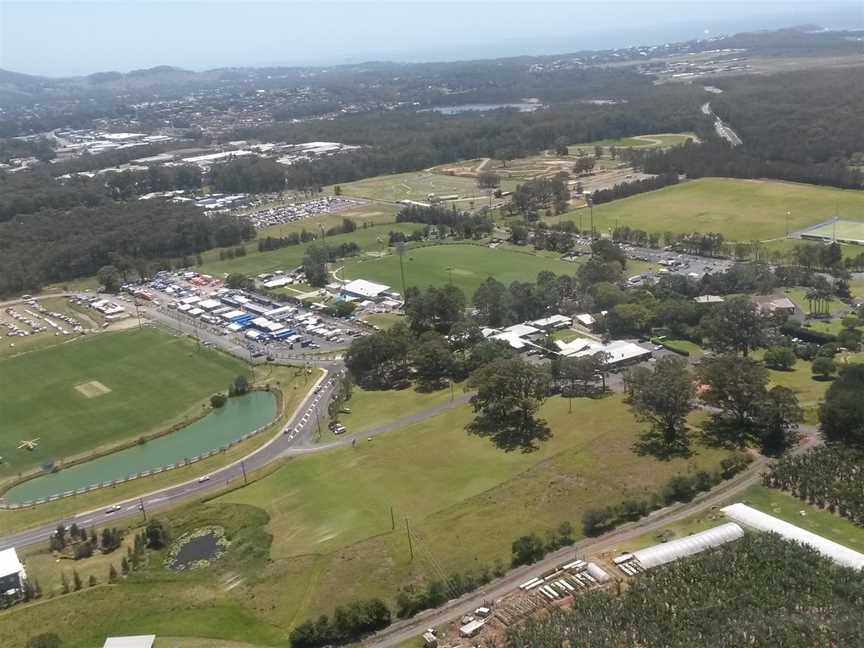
pixel 410 546
pixel 243 468
pixel 141 508
pixel 392 520
pixel 400 249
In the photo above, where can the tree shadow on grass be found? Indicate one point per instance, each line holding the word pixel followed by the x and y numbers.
pixel 652 444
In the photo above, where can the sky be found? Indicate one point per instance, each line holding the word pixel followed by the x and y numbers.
pixel 72 37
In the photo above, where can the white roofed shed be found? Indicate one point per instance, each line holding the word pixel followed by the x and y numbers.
pixel 760 521
pixel 661 554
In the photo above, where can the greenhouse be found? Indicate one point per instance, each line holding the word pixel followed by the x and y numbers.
pixel 698 542
pixel 760 521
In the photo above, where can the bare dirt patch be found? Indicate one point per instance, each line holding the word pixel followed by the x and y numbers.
pixel 92 389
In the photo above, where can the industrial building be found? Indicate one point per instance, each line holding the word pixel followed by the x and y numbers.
pixel 760 521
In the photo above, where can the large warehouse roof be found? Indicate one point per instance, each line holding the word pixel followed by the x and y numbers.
pixel 664 553
pixel 763 522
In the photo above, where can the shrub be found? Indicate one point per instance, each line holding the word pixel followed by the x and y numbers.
pixel 780 358
pixel 218 400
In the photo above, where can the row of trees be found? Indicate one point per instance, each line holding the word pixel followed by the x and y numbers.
pixel 625 189
pixel 828 477
pixel 682 488
pixel 350 623
pixel 459 224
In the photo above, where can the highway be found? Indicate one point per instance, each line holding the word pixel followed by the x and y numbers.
pixel 722 129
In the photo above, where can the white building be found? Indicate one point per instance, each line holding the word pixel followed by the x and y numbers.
pixel 661 554
pixel 362 289
pixel 620 352
pixel 12 574
pixel 553 322
pixel 760 521
pixel 139 641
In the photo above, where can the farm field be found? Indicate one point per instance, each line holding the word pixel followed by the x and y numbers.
pixel 329 519
pixel 471 265
pixel 255 262
pixel 102 390
pixel 741 210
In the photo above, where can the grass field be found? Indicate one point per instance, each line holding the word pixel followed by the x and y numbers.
pixel 741 210
pixel 412 186
pixel 471 265
pixel 293 388
pixel 329 518
pixel 10 346
pixel 842 230
pixel 154 379
pixel 255 262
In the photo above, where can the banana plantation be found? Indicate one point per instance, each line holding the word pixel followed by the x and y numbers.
pixel 759 591
pixel 830 477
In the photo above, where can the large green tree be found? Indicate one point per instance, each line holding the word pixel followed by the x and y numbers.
pixel 380 360
pixel 735 326
pixel 433 361
pixel 737 388
pixel 663 398
pixel 509 394
pixel 841 415
pixel 315 264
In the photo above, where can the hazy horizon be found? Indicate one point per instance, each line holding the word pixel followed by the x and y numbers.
pixel 75 38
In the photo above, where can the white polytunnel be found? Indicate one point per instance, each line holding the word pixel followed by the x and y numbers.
pixel 667 552
pixel 760 521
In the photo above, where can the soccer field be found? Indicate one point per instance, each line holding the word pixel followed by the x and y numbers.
pixel 466 265
pixel 109 388
pixel 740 210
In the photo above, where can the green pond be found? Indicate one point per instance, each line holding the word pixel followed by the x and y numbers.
pixel 239 416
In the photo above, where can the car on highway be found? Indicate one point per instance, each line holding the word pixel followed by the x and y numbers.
pixel 112 509
pixel 203 478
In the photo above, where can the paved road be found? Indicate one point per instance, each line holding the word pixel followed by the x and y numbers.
pixel 723 129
